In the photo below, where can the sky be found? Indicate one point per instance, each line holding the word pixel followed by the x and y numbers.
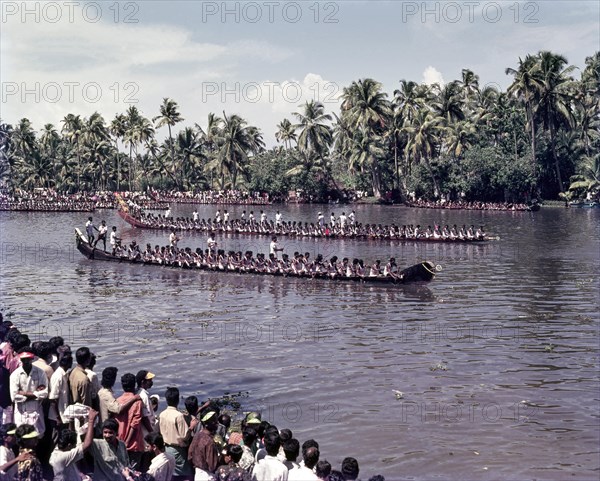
pixel 263 59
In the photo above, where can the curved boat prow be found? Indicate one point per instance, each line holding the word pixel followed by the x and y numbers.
pixel 423 272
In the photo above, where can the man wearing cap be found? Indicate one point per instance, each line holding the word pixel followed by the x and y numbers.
pixel 28 387
pixel 145 381
pixel 203 452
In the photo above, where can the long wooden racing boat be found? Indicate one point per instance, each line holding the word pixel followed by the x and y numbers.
pixel 422 272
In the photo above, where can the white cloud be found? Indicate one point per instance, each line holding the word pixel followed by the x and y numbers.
pixel 432 76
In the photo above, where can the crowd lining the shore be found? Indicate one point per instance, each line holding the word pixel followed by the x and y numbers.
pixel 53 201
pixel 62 421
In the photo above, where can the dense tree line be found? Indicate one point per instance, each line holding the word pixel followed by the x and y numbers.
pixel 541 137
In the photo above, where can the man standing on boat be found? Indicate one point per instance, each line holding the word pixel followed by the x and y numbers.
pixel 352 217
pixel 274 248
pixel 173 238
pixel 102 234
pixel 89 230
pixel 211 243
pixel 114 240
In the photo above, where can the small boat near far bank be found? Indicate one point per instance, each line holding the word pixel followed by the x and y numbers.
pixel 422 272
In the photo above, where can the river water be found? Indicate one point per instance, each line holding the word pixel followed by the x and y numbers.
pixel 497 358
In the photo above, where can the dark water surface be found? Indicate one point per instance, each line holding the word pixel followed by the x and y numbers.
pixel 497 358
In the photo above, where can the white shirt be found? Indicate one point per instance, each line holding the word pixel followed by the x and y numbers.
pixel 302 473
pixel 147 410
pixel 278 217
pixel 113 238
pixel 225 216
pixel 63 464
pixel 29 411
pixel 263 217
pixel 273 248
pixel 102 229
pixel 7 455
pixel 162 467
pixel 59 390
pixel 195 216
pixel 269 469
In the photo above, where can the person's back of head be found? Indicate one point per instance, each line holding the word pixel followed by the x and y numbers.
pixel 377 477
pixel 191 405
pixel 155 439
pixel 261 429
pixel 225 420
pixel 235 451
pixel 322 469
pixel 285 434
pixel 66 362
pixel 309 443
pixel 18 341
pixel 272 443
pixel 311 457
pixel 249 436
pixel 44 350
pixel 336 475
pixel 291 449
pixel 350 468
pixel 172 396
pixel 66 438
pixel 109 376
pixel 82 356
pixel 128 382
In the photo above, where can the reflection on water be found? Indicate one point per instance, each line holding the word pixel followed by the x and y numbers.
pixel 497 359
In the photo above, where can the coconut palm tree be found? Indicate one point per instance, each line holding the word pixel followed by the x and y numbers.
pixel 286 133
pixel 117 128
pixel 236 141
pixel 72 130
pixel 169 116
pixel 526 87
pixel 423 141
pixel 555 100
pixel 315 135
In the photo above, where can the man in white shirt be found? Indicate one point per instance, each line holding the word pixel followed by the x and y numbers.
pixel 321 219
pixel 59 392
pixel 28 387
pixel 102 231
pixel 263 217
pixel 114 240
pixel 66 454
pixel 211 243
pixel 273 247
pixel 278 218
pixel 270 468
pixel 195 215
pixel 163 464
pixel 352 217
pixel 305 471
pixel 173 239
